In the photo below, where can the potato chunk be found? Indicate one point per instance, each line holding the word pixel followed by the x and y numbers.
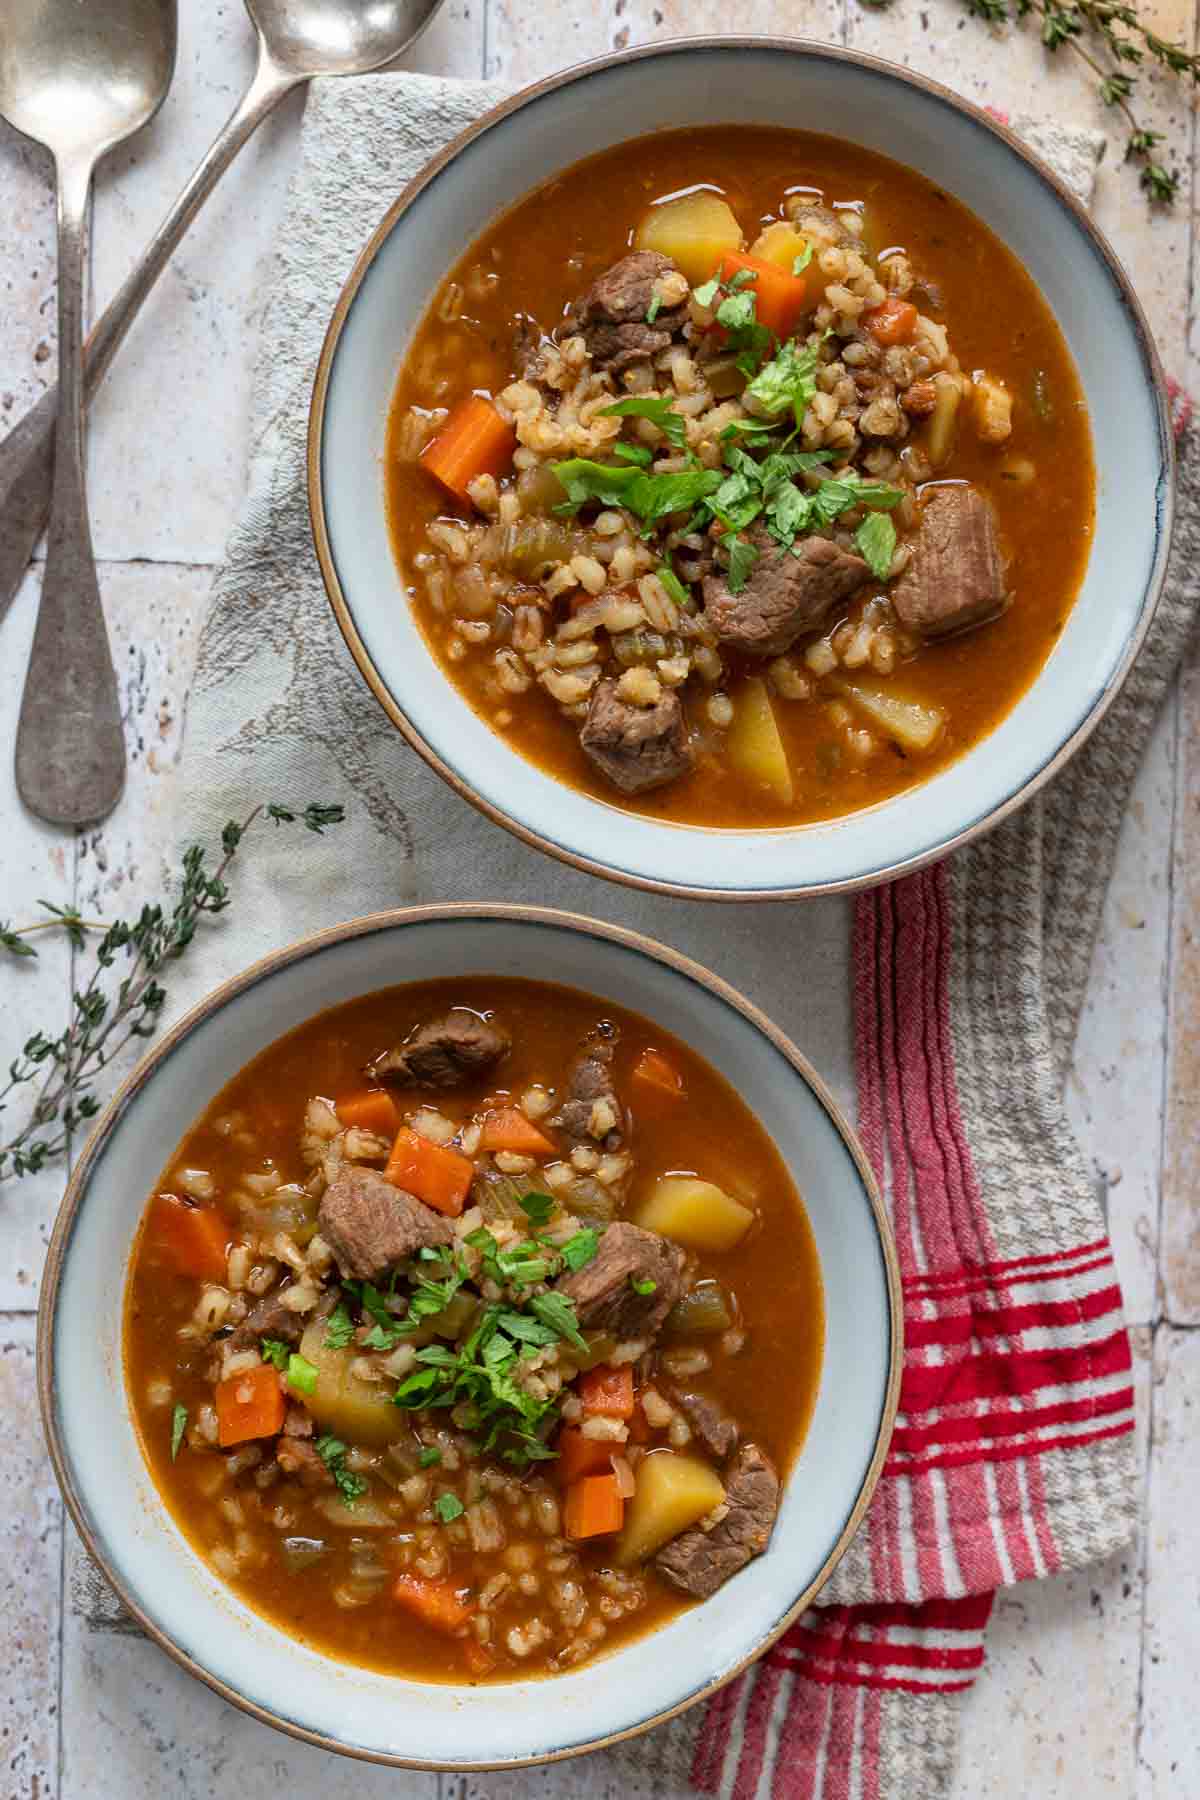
pixel 358 1411
pixel 695 231
pixel 694 1213
pixel 913 724
pixel 673 1492
pixel 753 741
pixel 781 243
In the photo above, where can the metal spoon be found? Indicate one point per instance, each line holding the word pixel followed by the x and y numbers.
pixel 79 80
pixel 297 39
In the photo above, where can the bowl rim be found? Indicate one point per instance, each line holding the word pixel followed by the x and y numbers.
pixel 314 944
pixel 530 834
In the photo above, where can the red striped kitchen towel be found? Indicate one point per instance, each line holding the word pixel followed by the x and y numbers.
pixel 1013 1452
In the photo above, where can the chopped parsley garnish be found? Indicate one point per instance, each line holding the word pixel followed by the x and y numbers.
pixel 301 1374
pixel 672 583
pixel 737 314
pixel 659 411
pixel 339 1327
pixel 654 308
pixel 332 1452
pixel 274 1350
pixel 447 1507
pixel 538 1208
pixel 875 541
pixel 643 1285
pixel 579 1250
pixel 801 262
pixel 742 557
pixel 650 497
pixel 429 1456
pixel 634 453
pixel 557 1311
pixel 179 1420
pixel 788 381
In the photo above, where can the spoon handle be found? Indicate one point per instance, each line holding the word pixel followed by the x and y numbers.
pixel 70 747
pixel 27 453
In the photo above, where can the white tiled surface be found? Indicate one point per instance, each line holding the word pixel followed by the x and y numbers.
pixel 1089 1689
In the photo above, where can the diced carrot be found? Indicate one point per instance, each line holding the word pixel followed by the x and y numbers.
pixel 607 1389
pixel 478 1658
pixel 249 1405
pixel 779 297
pixel 594 1507
pixel 436 1603
pixel 438 1176
pixel 192 1240
pixel 475 440
pixel 508 1129
pixel 892 323
pixel 372 1110
pixel 654 1070
pixel 579 1455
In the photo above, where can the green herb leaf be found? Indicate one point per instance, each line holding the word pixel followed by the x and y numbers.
pixel 634 453
pixel 643 1286
pixel 705 295
pixel 875 541
pixel 332 1452
pixel 654 308
pixel 179 1420
pixel 801 262
pixel 579 1250
pixel 429 1456
pixel 557 1311
pixel 526 1330
pixel 672 583
pixel 657 409
pixel 339 1327
pixel 274 1350
pixel 742 557
pixel 583 480
pixel 301 1374
pixel 447 1507
pixel 789 380
pixel 538 1208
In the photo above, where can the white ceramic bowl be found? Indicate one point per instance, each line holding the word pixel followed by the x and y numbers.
pixel 252 1662
pixel 768 82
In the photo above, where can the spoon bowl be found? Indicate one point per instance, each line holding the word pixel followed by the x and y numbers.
pixel 85 77
pixel 338 37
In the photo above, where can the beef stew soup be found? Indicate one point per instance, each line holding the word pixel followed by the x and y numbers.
pixel 473 1329
pixel 740 477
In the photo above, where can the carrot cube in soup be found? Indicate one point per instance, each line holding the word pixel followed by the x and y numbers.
pixel 579 1455
pixel 373 1110
pixel 191 1240
pixel 474 441
pixel 439 1176
pixel 438 1604
pixel 780 297
pixel 508 1129
pixel 892 323
pixel 607 1389
pixel 249 1405
pixel 658 1073
pixel 594 1507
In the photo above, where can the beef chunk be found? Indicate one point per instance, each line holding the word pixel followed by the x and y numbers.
pixel 700 1562
pixel 825 226
pixel 300 1459
pixel 786 594
pixel 591 1084
pixel 371 1226
pixel 603 1292
pixel 270 1318
pixel 956 576
pixel 445 1053
pixel 635 747
pixel 712 1424
pixel 612 314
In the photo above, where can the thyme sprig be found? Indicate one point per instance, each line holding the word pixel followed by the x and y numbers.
pixel 61 1071
pixel 1112 38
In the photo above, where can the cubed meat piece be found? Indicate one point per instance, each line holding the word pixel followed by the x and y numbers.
pixel 787 593
pixel 711 1423
pixel 591 1113
pixel 956 577
pixel 826 228
pixel 603 1291
pixel 700 1561
pixel 635 747
pixel 445 1053
pixel 371 1226
pixel 612 314
pixel 303 1462
pixel 270 1318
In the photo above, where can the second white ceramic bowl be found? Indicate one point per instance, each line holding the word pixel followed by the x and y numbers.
pixel 765 82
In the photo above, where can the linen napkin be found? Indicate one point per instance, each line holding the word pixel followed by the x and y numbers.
pixel 1013 1455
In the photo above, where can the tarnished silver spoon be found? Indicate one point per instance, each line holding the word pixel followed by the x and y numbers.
pixel 79 80
pixel 297 39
